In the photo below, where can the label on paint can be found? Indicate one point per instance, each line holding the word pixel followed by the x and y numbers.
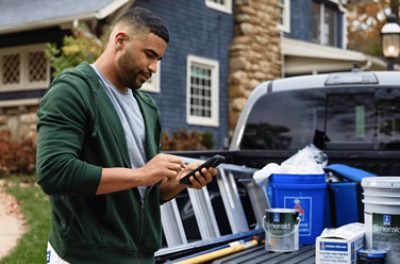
pixel 386 235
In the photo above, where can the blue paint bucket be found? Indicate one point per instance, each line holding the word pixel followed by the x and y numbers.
pixel 305 193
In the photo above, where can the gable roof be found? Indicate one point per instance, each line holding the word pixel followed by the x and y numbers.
pixel 22 15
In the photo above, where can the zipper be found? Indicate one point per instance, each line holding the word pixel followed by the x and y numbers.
pixel 141 219
pixel 141 227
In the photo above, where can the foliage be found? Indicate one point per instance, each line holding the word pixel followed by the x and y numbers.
pixel 76 48
pixel 36 209
pixel 365 20
pixel 184 140
pixel 16 157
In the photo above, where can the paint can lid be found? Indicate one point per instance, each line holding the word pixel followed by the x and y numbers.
pixel 366 254
pixel 381 182
pixel 281 210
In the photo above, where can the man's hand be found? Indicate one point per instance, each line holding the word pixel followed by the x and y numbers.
pixel 199 180
pixel 160 167
pixel 170 187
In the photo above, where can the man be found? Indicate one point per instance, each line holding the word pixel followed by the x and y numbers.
pixel 97 153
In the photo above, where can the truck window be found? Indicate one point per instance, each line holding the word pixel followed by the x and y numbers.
pixel 285 120
pixel 350 120
pixel 388 112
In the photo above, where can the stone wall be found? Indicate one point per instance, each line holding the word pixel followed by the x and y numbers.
pixel 20 120
pixel 255 54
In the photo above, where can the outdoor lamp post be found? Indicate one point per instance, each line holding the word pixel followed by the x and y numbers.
pixel 390 41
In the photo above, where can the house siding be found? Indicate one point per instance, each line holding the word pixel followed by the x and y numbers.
pixel 300 27
pixel 301 21
pixel 194 30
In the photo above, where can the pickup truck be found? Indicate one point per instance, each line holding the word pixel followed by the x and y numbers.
pixel 353 117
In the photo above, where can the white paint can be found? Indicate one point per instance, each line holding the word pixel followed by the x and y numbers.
pixel 382 215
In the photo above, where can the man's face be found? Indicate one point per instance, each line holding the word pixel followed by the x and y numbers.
pixel 138 60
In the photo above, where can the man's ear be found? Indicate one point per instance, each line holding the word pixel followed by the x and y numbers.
pixel 120 40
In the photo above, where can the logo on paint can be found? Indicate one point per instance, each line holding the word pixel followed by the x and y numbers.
pixel 386 220
pixel 276 217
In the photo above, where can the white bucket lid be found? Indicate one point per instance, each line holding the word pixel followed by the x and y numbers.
pixel 381 182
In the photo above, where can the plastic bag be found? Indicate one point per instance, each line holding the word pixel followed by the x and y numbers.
pixel 309 160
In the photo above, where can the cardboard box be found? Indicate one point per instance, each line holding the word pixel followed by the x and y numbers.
pixel 340 245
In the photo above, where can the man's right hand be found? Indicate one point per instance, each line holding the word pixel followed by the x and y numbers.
pixel 160 167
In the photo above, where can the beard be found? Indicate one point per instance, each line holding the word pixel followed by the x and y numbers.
pixel 128 74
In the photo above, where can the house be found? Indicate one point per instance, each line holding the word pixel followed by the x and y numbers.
pixel 314 39
pixel 219 51
pixel 283 38
pixel 190 86
pixel 25 29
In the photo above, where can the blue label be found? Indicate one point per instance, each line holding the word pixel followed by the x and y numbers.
pixel 304 206
pixel 386 220
pixel 333 246
pixel 276 217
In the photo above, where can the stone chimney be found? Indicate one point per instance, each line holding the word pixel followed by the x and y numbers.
pixel 255 53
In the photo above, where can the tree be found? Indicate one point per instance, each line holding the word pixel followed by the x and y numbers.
pixel 365 21
pixel 81 46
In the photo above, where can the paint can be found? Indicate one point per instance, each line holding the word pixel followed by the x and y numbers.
pixel 281 227
pixel 382 215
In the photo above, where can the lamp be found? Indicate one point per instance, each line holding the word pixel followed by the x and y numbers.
pixel 391 40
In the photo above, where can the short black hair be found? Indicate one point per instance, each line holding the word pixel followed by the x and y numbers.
pixel 140 16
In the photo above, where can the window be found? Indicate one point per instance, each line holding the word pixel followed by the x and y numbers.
pixel 388 111
pixel 350 120
pixel 153 85
pixel 285 15
pixel 324 24
pixel 202 104
pixel 285 120
pixel 220 5
pixel 24 68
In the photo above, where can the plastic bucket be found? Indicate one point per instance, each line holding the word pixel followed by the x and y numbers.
pixel 382 215
pixel 281 227
pixel 306 194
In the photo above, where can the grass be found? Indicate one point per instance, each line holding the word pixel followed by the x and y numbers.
pixel 36 208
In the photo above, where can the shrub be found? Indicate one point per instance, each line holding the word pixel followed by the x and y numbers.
pixel 16 157
pixel 185 140
pixel 79 47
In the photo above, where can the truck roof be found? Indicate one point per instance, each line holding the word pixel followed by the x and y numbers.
pixel 340 79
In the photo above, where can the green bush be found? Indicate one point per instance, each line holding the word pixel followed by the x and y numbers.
pixel 76 48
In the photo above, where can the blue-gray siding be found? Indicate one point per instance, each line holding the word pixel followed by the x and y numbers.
pixel 194 30
pixel 301 21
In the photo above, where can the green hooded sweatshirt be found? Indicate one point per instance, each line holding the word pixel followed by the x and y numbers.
pixel 79 133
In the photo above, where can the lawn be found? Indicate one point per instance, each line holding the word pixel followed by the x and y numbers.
pixel 36 209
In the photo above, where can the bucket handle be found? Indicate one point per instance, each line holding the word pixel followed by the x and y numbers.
pixel 291 233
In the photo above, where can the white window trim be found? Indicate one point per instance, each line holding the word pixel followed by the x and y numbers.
pixel 154 85
pixel 204 121
pixel 322 40
pixel 24 84
pixel 226 8
pixel 285 27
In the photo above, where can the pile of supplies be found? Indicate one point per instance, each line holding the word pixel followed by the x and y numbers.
pixel 311 202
